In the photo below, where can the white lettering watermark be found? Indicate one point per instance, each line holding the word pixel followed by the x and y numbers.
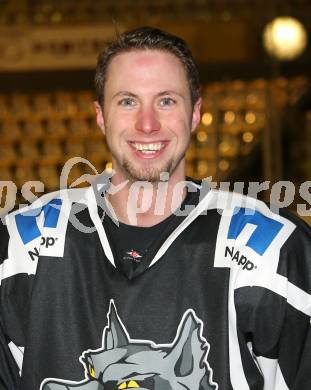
pixel 144 196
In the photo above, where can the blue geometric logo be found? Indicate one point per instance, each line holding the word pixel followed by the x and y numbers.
pixel 26 222
pixel 265 232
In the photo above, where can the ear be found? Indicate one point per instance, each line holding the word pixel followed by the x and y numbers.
pixel 115 333
pixel 189 348
pixel 196 114
pixel 99 116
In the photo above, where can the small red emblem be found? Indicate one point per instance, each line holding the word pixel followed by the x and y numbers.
pixel 134 254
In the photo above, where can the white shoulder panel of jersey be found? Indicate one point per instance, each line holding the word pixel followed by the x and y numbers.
pixel 249 240
pixel 38 229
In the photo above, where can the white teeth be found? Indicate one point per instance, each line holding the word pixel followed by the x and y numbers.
pixel 147 151
pixel 148 147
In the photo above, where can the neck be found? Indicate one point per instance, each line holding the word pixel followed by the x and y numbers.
pixel 145 203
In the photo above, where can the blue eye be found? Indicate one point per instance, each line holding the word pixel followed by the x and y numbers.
pixel 167 101
pixel 127 102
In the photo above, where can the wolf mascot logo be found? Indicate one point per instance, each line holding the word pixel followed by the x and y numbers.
pixel 124 363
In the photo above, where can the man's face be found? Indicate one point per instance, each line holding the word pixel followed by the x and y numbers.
pixel 147 115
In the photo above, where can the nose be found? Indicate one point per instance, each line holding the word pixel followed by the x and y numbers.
pixel 147 121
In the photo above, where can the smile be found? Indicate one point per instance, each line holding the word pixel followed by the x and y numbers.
pixel 148 148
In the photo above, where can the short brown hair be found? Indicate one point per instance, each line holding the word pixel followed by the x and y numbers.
pixel 147 38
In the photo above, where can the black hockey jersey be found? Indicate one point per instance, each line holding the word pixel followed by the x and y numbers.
pixel 224 304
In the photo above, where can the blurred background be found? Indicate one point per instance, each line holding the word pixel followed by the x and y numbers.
pixel 254 59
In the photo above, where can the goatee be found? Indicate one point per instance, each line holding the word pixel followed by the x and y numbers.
pixel 150 174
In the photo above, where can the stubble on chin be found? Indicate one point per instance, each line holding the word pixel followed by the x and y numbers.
pixel 150 174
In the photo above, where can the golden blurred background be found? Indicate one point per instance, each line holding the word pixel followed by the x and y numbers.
pixel 256 117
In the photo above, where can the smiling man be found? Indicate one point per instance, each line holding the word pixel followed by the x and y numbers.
pixel 205 290
pixel 148 106
pixel 147 115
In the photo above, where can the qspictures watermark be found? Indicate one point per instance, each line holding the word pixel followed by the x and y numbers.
pixel 281 194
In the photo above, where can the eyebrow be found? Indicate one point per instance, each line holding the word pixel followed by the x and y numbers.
pixel 124 93
pixel 170 93
pixel 131 94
